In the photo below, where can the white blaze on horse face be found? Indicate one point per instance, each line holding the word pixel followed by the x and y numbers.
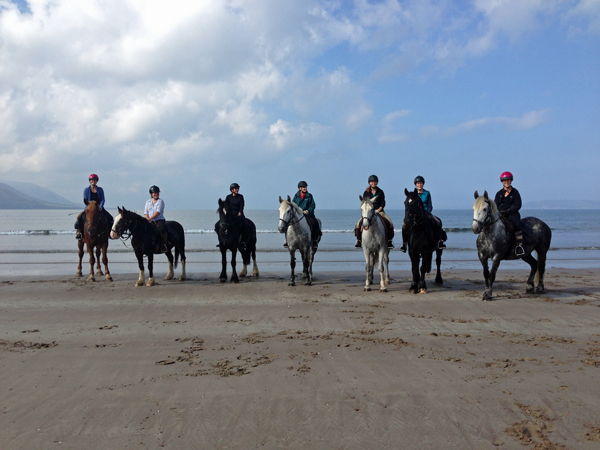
pixel 365 208
pixel 113 233
pixel 284 212
pixel 480 211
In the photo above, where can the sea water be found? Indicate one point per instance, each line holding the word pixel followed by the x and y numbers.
pixel 42 242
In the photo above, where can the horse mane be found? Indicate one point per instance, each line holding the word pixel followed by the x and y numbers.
pixel 479 202
pixel 134 214
pixel 296 207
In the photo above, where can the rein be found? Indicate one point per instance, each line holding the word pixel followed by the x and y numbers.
pixel 488 219
pixel 289 222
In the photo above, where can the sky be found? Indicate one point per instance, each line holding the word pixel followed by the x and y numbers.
pixel 192 96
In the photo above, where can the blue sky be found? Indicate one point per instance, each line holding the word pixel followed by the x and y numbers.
pixel 192 96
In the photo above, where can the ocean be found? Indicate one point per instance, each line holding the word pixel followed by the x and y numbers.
pixel 42 242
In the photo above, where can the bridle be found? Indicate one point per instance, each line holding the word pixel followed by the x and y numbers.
pixel 95 225
pixel 127 232
pixel 370 219
pixel 287 223
pixel 488 218
pixel 226 225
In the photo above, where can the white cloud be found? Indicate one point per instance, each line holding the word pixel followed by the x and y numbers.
pixel 284 135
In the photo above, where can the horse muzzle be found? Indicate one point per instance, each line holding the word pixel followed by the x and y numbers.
pixel 476 227
pixel 114 234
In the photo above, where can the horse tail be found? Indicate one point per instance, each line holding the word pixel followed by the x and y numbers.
pixel 176 257
pixel 536 279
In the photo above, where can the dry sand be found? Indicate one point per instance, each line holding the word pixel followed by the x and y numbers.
pixel 199 365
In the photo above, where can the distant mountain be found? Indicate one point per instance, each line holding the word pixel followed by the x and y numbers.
pixel 42 194
pixel 11 198
pixel 563 204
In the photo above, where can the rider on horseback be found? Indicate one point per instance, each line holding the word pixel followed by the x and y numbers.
pixel 236 203
pixel 307 204
pixel 508 201
pixel 375 192
pixel 96 193
pixel 425 197
pixel 154 213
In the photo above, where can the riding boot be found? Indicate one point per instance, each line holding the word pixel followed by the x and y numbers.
pixel 285 244
pixel 403 248
pixel 519 250
pixel 79 227
pixel 390 244
pixel 165 242
pixel 315 245
pixel 358 235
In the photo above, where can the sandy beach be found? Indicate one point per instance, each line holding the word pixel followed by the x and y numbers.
pixel 259 364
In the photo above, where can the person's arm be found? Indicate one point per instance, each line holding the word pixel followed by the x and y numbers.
pixel 242 204
pixel 429 204
pixel 147 210
pixel 381 197
pixel 101 196
pixel 311 205
pixel 87 194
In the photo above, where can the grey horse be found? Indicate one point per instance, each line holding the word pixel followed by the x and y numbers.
pixel 496 242
pixel 297 232
pixel 374 244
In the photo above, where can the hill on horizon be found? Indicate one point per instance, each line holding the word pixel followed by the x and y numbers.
pixel 12 198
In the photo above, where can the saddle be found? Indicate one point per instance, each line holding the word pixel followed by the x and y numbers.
pixel 389 228
pixel 525 228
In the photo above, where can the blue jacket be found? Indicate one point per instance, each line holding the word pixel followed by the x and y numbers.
pixel 87 195
pixel 426 199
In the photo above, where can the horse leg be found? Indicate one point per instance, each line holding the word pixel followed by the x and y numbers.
pixel 387 270
pixel 142 278
pixel 80 245
pixel 306 265
pixel 183 275
pixel 223 276
pixel 170 272
pixel 368 266
pixel 438 262
pixel 529 259
pixel 540 272
pixel 90 250
pixel 414 259
pixel 98 260
pixel 293 266
pixel 151 281
pixel 234 275
pixel 245 254
pixel 490 276
pixel 382 287
pixel 254 267
pixel 105 261
pixel 425 268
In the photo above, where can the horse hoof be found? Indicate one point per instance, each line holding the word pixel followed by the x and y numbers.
pixel 423 291
pixel 79 274
pixel 387 282
pixel 91 278
pixel 139 283
pixel 530 290
pixel 308 283
pixel 486 298
pixel 439 283
pixel 367 288
pixel 108 277
pixel 222 280
pixel 181 278
pixel 540 290
pixel 235 280
pixel 150 282
pixel 169 277
pixel 100 273
pixel 383 289
pixel 291 283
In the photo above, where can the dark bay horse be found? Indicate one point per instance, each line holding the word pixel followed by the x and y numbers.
pixel 496 241
pixel 229 231
pixel 422 233
pixel 146 240
pixel 95 234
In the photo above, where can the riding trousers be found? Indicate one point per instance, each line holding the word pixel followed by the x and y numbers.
pixel 515 220
pixel 389 229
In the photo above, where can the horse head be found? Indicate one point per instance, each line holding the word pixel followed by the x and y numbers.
pixel 92 217
pixel 287 212
pixel 485 212
pixel 121 224
pixel 413 206
pixel 226 218
pixel 367 211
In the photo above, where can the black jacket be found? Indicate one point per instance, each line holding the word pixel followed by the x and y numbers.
pixel 379 201
pixel 510 204
pixel 236 202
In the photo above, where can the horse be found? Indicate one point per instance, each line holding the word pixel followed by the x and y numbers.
pixel 298 237
pixel 95 234
pixel 496 242
pixel 374 244
pixel 146 240
pixel 229 231
pixel 422 236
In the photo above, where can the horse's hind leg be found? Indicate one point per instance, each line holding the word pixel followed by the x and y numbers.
pixel 98 260
pixel 387 269
pixel 223 275
pixel 369 270
pixel 254 267
pixel 540 272
pixel 245 261
pixel 306 275
pixel 234 275
pixel 292 266
pixel 90 250
pixel 105 261
pixel 425 269
pixel 438 262
pixel 529 259
pixel 151 281
pixel 80 245
pixel 170 272
pixel 382 287
pixel 489 275
pixel 183 275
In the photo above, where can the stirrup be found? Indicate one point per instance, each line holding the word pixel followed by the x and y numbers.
pixel 285 244
pixel 315 245
pixel 403 248
pixel 441 245
pixel 358 244
pixel 390 244
pixel 79 236
pixel 519 250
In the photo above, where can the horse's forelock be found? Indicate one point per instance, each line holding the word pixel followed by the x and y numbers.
pixel 287 203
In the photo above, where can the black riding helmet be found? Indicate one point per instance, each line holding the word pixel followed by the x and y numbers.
pixel 154 188
pixel 302 184
pixel 234 186
pixel 419 178
pixel 373 178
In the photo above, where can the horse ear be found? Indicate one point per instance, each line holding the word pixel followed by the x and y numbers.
pixel 416 191
pixel 485 194
pixel 289 199
pixel 406 192
pixel 476 195
pixel 360 197
pixel 280 199
pixel 119 209
pixel 220 202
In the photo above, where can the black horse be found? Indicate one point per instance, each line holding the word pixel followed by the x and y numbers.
pixel 229 231
pixel 146 240
pixel 422 233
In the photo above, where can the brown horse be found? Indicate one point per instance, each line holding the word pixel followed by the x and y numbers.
pixel 95 234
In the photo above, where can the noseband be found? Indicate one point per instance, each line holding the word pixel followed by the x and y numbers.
pixel 287 223
pixel 488 218
pixel 127 232
pixel 371 219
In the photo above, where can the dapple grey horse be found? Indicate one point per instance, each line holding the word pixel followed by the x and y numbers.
pixel 297 232
pixel 374 244
pixel 496 242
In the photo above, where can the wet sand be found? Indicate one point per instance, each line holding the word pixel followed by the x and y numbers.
pixel 259 364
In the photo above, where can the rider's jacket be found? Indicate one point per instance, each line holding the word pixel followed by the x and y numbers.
pixel 151 208
pixel 236 203
pixel 306 204
pixel 426 199
pixel 379 201
pixel 89 195
pixel 510 204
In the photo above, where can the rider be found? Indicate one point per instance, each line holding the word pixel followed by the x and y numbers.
pixel 96 193
pixel 154 213
pixel 371 192
pixel 306 202
pixel 508 201
pixel 236 202
pixel 425 197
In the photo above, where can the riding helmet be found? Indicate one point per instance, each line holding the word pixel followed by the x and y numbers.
pixel 373 178
pixel 234 186
pixel 93 176
pixel 420 179
pixel 302 184
pixel 154 189
pixel 506 176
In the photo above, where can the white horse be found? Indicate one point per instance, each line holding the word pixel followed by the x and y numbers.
pixel 292 222
pixel 374 243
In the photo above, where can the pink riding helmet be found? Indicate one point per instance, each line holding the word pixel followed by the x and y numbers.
pixel 506 176
pixel 93 177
